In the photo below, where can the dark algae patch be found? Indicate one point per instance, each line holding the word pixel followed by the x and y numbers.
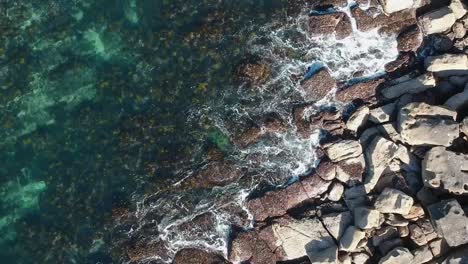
pixel 100 109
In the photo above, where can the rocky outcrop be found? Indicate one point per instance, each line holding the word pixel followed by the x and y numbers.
pixel 446 170
pixel 421 124
pixel 357 119
pixel 332 23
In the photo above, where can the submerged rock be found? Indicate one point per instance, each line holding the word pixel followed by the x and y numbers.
pixel 319 85
pixel 254 73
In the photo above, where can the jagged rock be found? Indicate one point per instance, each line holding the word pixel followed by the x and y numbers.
pixel 458 30
pixel 331 23
pixel 359 257
pixel 427 228
pixel 372 18
pixel 392 6
pixel 254 73
pixel 337 223
pixel 393 201
pixel 412 86
pixel 319 85
pixel 350 171
pixel 445 170
pixel 379 154
pixel 366 218
pixel 351 238
pixel 336 192
pixel 403 231
pixel 447 64
pixel 417 235
pixel 217 173
pixel 196 256
pixel 397 256
pixel 382 114
pixel 438 247
pixel 395 220
pixel 416 212
pixel 450 221
pixel 357 119
pixel 297 237
pixel 308 119
pixel 365 91
pixel 458 8
pixel 276 203
pixel 410 40
pixel 324 256
pixel 422 255
pixel 425 125
pixel 437 21
pixel 343 149
pixel 383 234
pixel 458 101
pixel 326 170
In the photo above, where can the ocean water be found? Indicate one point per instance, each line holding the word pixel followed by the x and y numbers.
pixel 108 109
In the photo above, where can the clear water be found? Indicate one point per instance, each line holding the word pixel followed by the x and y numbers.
pixel 106 107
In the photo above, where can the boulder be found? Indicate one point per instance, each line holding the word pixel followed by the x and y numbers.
pixel 437 21
pixel 324 256
pixel 395 220
pixel 392 6
pixel 330 23
pixel 410 40
pixel 297 237
pixel 351 238
pixel 337 223
pixel 278 202
pixel 447 64
pixel 446 170
pixel 366 218
pixel 350 171
pixel 379 154
pixel 393 201
pixel 417 235
pixel 459 30
pixel 319 85
pixel 255 246
pixel 450 222
pixel 357 119
pixel 397 256
pixel 458 102
pixel 464 126
pixel 360 257
pixel 412 86
pixel 196 256
pixel 439 247
pixel 365 91
pixel 422 255
pixel 372 18
pixel 336 192
pixel 384 234
pixel 343 149
pixel 458 8
pixel 421 124
pixel 382 114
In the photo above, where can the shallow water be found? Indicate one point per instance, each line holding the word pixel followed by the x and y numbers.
pixel 108 106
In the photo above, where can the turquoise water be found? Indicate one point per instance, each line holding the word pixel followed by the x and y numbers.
pixel 115 114
pixel 96 111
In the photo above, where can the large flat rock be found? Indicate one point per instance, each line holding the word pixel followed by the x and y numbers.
pixel 450 221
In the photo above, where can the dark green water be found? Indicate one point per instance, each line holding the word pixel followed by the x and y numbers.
pixel 96 109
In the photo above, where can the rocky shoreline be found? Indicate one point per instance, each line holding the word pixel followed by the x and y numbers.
pixel 392 182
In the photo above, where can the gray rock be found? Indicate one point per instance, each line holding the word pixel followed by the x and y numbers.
pixel 397 256
pixel 379 154
pixel 382 114
pixel 422 255
pixel 336 192
pixel 447 64
pixel 403 231
pixel 366 218
pixel 458 30
pixel 458 101
pixel 458 8
pixel 421 124
pixel 392 6
pixel 344 149
pixel 417 235
pixel 437 21
pixel 445 170
pixel 359 258
pixel 323 256
pixel 336 223
pixel 358 119
pixel 464 126
pixel 393 201
pixel 351 238
pixel 383 234
pixel 438 247
pixel 450 222
pixel 412 86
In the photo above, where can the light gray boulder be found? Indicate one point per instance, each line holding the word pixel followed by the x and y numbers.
pixel 412 86
pixel 382 114
pixel 464 126
pixel 357 119
pixel 392 6
pixel 450 222
pixel 336 223
pixel 446 170
pixel 366 218
pixel 422 255
pixel 458 8
pixel 437 21
pixel 421 124
pixel 447 64
pixel 351 238
pixel 343 149
pixel 393 201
